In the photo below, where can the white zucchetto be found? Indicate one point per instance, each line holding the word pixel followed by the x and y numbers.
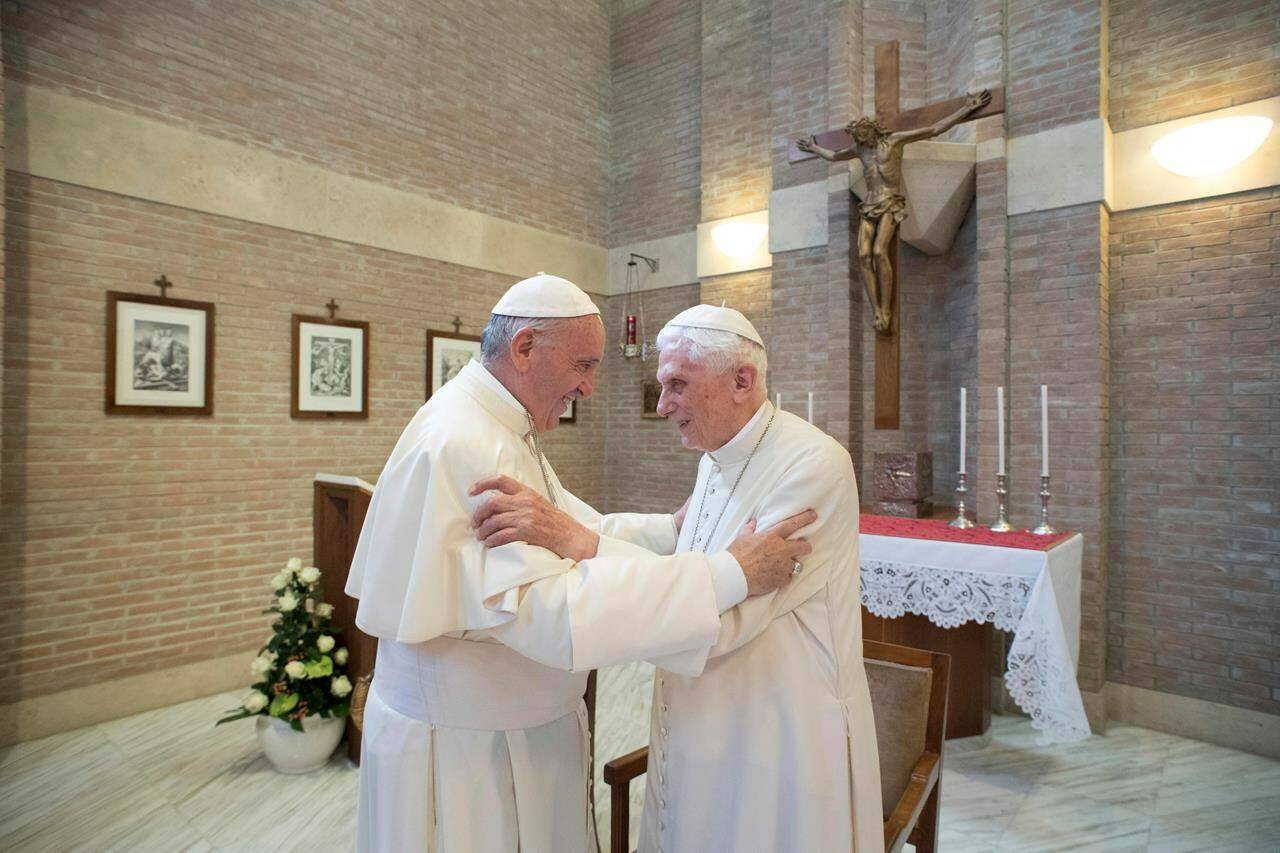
pixel 545 296
pixel 719 319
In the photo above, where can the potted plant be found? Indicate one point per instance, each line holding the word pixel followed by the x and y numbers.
pixel 302 678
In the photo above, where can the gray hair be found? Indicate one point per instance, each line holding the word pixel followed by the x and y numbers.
pixel 722 352
pixel 495 340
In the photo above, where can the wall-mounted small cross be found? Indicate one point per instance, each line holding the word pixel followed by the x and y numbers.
pixel 164 284
pixel 332 305
pixel 457 324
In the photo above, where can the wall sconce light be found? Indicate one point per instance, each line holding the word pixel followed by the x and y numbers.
pixel 1211 147
pixel 735 244
pixel 737 239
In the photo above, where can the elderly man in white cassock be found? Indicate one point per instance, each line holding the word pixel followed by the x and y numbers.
pixel 773 746
pixel 475 732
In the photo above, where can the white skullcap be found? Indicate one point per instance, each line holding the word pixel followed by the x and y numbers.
pixel 719 319
pixel 545 296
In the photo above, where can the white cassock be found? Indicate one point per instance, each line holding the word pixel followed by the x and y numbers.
pixel 475 735
pixel 773 746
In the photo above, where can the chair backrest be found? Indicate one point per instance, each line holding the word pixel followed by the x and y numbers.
pixel 908 699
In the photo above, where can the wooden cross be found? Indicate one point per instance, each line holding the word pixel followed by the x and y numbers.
pixel 333 306
pixel 457 324
pixel 164 284
pixel 892 118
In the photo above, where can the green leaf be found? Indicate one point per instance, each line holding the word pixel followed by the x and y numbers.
pixel 296 725
pixel 238 715
pixel 320 668
pixel 283 704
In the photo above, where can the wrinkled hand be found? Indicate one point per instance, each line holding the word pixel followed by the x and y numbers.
pixel 681 513
pixel 978 100
pixel 519 514
pixel 768 557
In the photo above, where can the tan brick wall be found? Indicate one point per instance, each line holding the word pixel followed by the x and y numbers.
pixel 1176 58
pixel 1194 592
pixel 1054 56
pixel 497 107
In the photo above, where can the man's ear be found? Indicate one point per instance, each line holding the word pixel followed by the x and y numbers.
pixel 521 347
pixel 745 379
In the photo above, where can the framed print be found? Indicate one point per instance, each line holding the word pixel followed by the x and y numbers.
pixel 159 355
pixel 570 415
pixel 330 368
pixel 447 354
pixel 651 390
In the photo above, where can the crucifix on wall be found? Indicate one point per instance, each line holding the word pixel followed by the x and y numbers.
pixel 878 143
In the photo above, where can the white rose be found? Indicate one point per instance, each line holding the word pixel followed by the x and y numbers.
pixel 280 580
pixel 293 565
pixel 295 669
pixel 310 574
pixel 311 604
pixel 255 701
pixel 288 602
pixel 324 643
pixel 261 665
pixel 324 611
pixel 340 686
pixel 271 656
pixel 340 656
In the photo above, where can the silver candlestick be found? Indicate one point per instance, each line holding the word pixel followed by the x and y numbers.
pixel 1044 528
pixel 962 519
pixel 1001 524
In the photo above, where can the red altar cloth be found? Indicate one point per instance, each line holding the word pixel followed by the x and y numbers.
pixel 931 528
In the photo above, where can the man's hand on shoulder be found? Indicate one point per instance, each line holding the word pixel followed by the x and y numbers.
pixel 519 514
pixel 769 558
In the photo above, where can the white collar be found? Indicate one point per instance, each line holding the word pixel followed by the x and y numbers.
pixel 490 393
pixel 740 446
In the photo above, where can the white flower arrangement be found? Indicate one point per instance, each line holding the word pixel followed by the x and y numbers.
pixel 299 673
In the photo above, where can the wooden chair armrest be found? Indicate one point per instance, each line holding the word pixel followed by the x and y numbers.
pixel 620 771
pixel 923 777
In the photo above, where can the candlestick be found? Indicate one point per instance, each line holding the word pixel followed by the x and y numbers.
pixel 810 407
pixel 1044 528
pixel 963 428
pixel 1000 428
pixel 1001 524
pixel 1044 430
pixel 961 520
pixel 777 401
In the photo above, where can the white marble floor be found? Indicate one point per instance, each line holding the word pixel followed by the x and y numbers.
pixel 167 780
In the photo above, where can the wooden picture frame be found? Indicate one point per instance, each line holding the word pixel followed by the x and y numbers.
pixel 445 356
pixel 570 415
pixel 650 392
pixel 159 358
pixel 333 356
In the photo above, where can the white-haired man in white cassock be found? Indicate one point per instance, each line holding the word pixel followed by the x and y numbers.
pixel 474 730
pixel 773 746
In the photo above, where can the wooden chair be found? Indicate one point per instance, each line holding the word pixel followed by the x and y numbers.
pixel 909 698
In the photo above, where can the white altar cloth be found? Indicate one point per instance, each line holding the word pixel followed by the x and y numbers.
pixel 1034 594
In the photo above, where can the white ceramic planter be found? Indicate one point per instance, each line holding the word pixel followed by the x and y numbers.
pixel 299 752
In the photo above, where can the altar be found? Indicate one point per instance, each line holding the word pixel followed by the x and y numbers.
pixel 1026 584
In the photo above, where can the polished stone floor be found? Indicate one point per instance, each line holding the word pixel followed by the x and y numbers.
pixel 167 780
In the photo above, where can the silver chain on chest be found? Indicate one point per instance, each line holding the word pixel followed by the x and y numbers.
pixel 697 525
pixel 542 464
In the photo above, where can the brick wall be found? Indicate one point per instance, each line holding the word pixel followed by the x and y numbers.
pixel 655 115
pixel 1055 50
pixel 129 541
pixel 1194 590
pixel 498 107
pixel 1176 58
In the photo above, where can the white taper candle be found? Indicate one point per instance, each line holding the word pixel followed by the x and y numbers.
pixel 963 421
pixel 810 407
pixel 1044 430
pixel 777 401
pixel 1000 428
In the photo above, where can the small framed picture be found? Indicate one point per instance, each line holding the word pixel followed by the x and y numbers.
pixel 651 390
pixel 159 355
pixel 447 354
pixel 330 368
pixel 570 415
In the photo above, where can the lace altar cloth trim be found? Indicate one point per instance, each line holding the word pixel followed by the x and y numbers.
pixel 946 597
pixel 932 528
pixel 1039 674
